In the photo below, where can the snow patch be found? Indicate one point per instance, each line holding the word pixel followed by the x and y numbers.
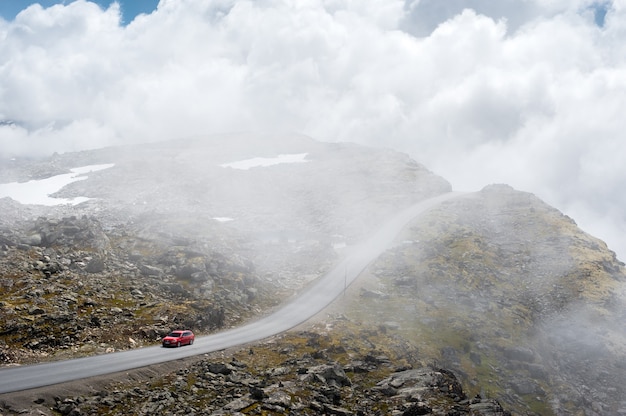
pixel 37 192
pixel 265 161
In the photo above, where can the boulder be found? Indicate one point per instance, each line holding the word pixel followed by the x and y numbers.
pixel 331 372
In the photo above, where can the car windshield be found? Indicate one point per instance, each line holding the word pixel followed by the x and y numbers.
pixel 175 334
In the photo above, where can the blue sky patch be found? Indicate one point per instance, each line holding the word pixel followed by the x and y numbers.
pixel 600 10
pixel 130 8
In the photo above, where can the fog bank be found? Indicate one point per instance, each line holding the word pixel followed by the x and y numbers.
pixel 525 93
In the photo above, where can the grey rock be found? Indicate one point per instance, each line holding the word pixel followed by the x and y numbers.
pixel 148 270
pixel 328 372
pixel 32 240
pixel 95 265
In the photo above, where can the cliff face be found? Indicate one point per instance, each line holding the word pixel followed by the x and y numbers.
pixel 494 291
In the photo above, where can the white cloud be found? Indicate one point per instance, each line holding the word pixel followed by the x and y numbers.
pixel 523 92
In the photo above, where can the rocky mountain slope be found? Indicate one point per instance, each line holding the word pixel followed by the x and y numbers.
pixel 335 368
pixel 494 294
pixel 513 297
pixel 147 253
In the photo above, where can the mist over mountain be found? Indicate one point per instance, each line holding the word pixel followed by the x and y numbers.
pixel 528 93
pixel 496 286
pixel 515 293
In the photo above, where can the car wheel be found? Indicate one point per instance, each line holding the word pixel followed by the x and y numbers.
pixel 191 342
pixel 178 345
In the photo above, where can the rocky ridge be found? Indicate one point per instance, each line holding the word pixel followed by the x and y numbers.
pixel 513 297
pixel 495 291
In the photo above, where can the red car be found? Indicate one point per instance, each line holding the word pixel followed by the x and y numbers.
pixel 178 338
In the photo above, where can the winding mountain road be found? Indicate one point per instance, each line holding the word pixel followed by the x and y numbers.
pixel 306 305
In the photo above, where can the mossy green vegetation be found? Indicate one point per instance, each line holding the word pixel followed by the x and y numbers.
pixel 480 283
